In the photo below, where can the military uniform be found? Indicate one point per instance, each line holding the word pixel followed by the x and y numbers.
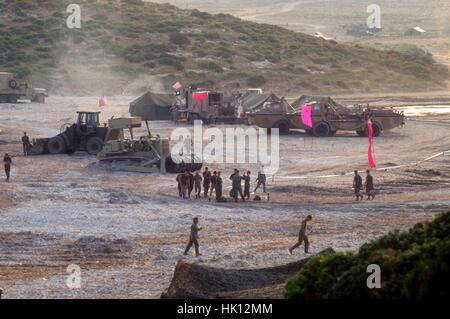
pixel 193 240
pixel 206 182
pixel 7 161
pixel 302 237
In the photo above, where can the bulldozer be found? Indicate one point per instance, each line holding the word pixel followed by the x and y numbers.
pixel 12 90
pixel 87 134
pixel 148 154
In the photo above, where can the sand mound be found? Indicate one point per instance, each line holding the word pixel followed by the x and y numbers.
pixel 195 281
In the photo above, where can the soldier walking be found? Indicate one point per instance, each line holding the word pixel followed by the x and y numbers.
pixel 206 181
pixel 7 161
pixel 302 237
pixel 370 189
pixel 357 186
pixel 261 179
pixel 198 185
pixel 193 238
pixel 25 144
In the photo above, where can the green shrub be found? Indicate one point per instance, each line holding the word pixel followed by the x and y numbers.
pixel 179 39
pixel 211 66
pixel 414 265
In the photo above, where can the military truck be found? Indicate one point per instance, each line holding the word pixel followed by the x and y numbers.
pixel 209 106
pixel 12 90
pixel 328 117
pixel 148 154
pixel 85 135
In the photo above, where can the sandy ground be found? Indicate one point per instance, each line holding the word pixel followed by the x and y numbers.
pixel 128 231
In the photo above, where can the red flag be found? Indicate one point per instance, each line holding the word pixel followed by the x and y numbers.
pixel 370 150
pixel 102 101
pixel 200 96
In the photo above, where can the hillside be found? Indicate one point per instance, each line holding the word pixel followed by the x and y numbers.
pixel 126 47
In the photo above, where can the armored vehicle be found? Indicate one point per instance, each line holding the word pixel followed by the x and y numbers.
pixel 148 154
pixel 12 90
pixel 328 117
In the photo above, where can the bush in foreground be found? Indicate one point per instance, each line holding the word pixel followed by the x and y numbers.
pixel 414 265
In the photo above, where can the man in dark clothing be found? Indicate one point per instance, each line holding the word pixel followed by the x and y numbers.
pixel 261 181
pixel 206 181
pixel 25 144
pixel 302 236
pixel 236 181
pixel 370 189
pixel 191 181
pixel 193 238
pixel 184 184
pixel 213 184
pixel 198 184
pixel 7 161
pixel 180 184
pixel 247 185
pixel 219 187
pixel 357 185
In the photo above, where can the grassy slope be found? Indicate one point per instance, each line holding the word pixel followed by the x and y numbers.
pixel 214 50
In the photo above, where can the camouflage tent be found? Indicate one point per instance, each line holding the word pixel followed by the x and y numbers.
pixel 153 106
pixel 252 101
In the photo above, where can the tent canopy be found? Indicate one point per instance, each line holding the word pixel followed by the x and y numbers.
pixel 251 101
pixel 153 106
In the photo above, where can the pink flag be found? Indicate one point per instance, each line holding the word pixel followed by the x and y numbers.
pixel 370 150
pixel 102 101
pixel 307 116
pixel 177 86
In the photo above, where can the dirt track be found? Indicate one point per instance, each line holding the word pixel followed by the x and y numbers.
pixel 127 231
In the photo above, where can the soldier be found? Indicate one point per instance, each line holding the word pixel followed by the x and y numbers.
pixel 213 184
pixel 25 144
pixel 247 185
pixel 370 189
pixel 357 185
pixel 184 183
pixel 190 181
pixel 180 184
pixel 219 187
pixel 198 185
pixel 206 181
pixel 193 238
pixel 302 236
pixel 236 181
pixel 7 161
pixel 261 181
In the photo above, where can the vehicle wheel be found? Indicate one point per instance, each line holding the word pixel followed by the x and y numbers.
pixel 321 129
pixel 12 99
pixel 362 133
pixel 192 118
pixel 39 99
pixel 56 145
pixel 94 145
pixel 12 84
pixel 283 127
pixel 37 149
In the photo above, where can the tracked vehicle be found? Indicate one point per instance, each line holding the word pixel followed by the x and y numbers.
pixel 149 154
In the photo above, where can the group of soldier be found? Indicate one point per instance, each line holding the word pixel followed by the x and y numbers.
pixel 302 237
pixel 212 182
pixel 358 186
